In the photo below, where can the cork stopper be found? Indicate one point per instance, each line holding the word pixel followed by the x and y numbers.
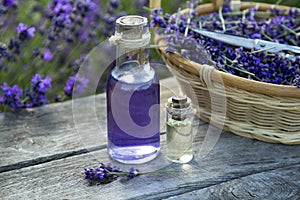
pixel 179 107
pixel 179 102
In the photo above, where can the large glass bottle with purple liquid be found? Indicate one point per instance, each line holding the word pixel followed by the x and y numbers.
pixel 132 95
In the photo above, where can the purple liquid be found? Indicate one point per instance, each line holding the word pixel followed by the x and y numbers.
pixel 133 118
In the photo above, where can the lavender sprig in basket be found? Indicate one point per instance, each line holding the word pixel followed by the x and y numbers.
pixel 261 89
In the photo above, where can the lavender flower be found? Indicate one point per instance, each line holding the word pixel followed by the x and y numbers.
pixel 101 175
pixel 81 85
pixel 55 37
pixel 25 32
pixel 133 172
pixel 47 56
pixel 10 3
pixel 11 97
pixel 37 94
pixel 107 173
pixel 22 27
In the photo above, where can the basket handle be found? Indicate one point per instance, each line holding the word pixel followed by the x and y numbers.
pixel 156 4
pixel 235 4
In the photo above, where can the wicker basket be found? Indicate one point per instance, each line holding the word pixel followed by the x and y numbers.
pixel 254 109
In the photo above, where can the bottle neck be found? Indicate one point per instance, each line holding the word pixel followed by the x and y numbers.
pixel 126 53
pixel 132 39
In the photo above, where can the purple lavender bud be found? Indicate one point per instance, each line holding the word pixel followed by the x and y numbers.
pixel 30 32
pixel 69 85
pixel 102 165
pixel 1 99
pixel 21 28
pixel 10 3
pixel 114 3
pixel 256 36
pixel 36 79
pixel 39 88
pixel 83 35
pixel 57 8
pixel 4 86
pixel 44 85
pixel 67 8
pixel 47 56
pixel 25 32
pixel 116 169
pixel 81 84
pixel 100 176
pixel 11 96
pixel 132 173
pixel 17 91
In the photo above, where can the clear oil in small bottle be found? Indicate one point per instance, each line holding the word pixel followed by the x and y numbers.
pixel 180 116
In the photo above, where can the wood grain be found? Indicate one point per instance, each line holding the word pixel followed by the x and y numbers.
pixel 60 130
pixel 233 157
pixel 44 150
pixel 282 183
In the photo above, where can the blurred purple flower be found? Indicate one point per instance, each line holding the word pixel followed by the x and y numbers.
pixel 37 94
pixel 256 36
pixel 30 32
pixel 10 3
pixel 36 79
pixel 21 27
pixel 114 3
pixel 47 56
pixel 23 30
pixel 80 86
pixel 11 96
pixel 44 85
pixel 64 23
pixel 1 99
pixel 92 5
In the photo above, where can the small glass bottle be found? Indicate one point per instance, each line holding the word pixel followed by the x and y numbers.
pixel 180 116
pixel 133 117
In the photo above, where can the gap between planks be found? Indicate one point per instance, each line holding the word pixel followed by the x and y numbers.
pixel 212 181
pixel 45 159
pixel 58 156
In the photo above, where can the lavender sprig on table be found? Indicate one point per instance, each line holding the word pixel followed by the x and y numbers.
pixel 107 173
pixel 274 25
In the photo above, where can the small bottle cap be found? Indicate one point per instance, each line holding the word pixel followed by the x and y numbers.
pixel 179 102
pixel 179 107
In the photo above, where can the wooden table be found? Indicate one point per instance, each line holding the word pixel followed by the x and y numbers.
pixel 44 150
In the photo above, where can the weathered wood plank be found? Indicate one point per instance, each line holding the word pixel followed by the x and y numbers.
pixel 282 183
pixel 51 135
pixel 232 158
pixel 40 134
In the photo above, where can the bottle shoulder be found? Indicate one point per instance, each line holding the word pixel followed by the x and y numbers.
pixel 133 73
pixel 179 123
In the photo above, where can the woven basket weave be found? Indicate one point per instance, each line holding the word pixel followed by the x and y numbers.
pixel 254 109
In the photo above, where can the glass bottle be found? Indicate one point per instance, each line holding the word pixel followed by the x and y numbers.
pixel 180 116
pixel 133 96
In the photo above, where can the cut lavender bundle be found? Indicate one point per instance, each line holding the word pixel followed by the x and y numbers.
pixel 276 26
